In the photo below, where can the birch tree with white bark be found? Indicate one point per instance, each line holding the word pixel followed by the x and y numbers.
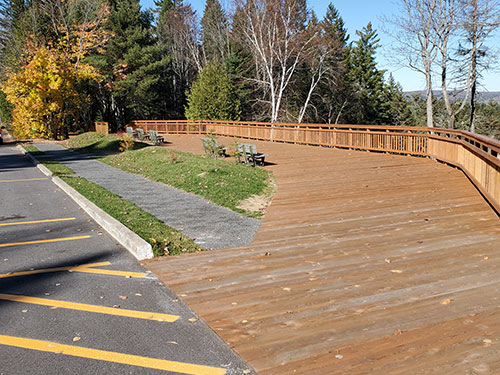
pixel 275 31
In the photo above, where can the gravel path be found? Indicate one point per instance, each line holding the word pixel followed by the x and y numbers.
pixel 211 226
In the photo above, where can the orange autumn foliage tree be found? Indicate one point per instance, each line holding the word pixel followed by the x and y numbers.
pixel 45 94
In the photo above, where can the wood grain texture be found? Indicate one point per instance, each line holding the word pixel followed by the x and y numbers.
pixel 365 263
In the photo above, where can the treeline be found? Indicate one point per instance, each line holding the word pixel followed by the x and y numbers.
pixel 67 63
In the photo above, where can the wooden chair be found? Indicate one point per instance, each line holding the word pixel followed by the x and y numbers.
pixel 140 134
pixel 131 132
pixel 155 138
pixel 250 155
pixel 210 145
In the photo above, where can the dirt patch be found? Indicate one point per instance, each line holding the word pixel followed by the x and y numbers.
pixel 259 203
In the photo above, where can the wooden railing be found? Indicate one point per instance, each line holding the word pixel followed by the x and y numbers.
pixel 476 155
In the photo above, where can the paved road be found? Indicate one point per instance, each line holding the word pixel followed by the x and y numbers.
pixel 212 226
pixel 90 319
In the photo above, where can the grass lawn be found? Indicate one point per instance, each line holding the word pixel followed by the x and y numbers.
pixel 164 239
pixel 97 142
pixel 55 167
pixel 228 185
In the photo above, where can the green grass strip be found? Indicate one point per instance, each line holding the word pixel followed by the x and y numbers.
pixel 97 142
pixel 227 185
pixel 55 167
pixel 163 239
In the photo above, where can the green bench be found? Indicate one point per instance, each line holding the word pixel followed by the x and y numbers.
pixel 211 146
pixel 155 138
pixel 131 132
pixel 140 134
pixel 247 153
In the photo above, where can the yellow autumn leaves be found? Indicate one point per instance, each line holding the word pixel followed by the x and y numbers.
pixel 45 93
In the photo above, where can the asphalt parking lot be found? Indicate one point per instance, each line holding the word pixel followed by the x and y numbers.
pixel 73 301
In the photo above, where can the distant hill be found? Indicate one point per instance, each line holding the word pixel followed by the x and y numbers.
pixel 483 96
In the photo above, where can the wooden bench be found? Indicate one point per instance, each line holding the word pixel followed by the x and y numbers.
pixel 155 138
pixel 210 145
pixel 140 134
pixel 131 132
pixel 249 153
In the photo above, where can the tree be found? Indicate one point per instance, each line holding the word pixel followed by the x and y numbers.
pixel 367 80
pixel 399 112
pixel 418 33
pixel 45 94
pixel 212 96
pixel 480 19
pixel 275 32
pixel 178 32
pixel 214 32
pixel 334 92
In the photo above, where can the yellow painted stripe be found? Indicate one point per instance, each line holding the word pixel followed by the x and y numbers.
pixel 101 355
pixel 83 268
pixel 44 241
pixel 25 179
pixel 109 272
pixel 38 221
pixel 90 308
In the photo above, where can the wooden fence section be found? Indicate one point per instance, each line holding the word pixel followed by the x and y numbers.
pixel 476 155
pixel 100 127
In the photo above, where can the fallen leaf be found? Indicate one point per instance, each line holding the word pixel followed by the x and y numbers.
pixel 287 289
pixel 485 258
pixel 116 306
pixel 53 307
pixel 244 321
pixel 396 271
pixel 172 342
pixel 76 338
pixel 193 320
pixel 123 297
pixel 446 301
pixel 247 371
pixel 24 311
pixel 387 260
pixel 138 294
pixel 48 230
pixel 397 332
pixel 234 303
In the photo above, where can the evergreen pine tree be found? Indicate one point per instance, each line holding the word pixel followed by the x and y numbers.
pixel 135 67
pixel 212 95
pixel 335 91
pixel 399 109
pixel 369 106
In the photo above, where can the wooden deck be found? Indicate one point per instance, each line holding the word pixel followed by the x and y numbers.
pixel 365 263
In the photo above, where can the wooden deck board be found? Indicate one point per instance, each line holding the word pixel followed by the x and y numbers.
pixel 357 256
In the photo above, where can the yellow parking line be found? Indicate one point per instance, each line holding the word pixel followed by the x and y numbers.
pixel 90 308
pixel 38 221
pixel 83 268
pixel 25 179
pixel 109 272
pixel 102 355
pixel 44 241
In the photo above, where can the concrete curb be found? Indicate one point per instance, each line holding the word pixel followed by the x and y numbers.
pixel 37 164
pixel 128 239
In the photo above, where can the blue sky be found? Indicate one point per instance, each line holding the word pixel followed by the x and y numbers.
pixel 356 15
